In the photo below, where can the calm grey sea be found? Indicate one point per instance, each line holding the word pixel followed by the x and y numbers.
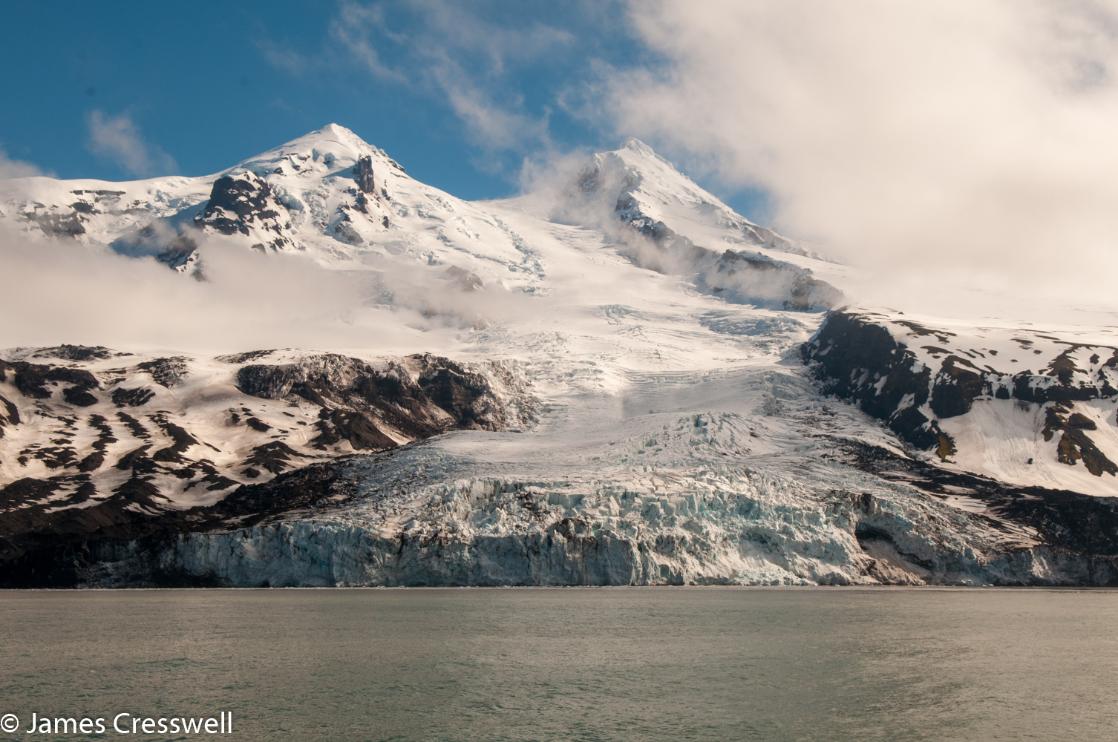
pixel 629 663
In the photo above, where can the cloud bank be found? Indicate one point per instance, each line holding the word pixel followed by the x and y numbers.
pixel 972 138
pixel 66 292
pixel 10 168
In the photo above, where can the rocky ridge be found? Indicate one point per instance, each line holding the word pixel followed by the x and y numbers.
pixel 917 377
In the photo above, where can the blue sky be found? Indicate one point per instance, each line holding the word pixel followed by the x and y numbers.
pixel 460 93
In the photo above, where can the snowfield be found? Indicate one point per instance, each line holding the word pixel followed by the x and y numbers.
pixel 619 395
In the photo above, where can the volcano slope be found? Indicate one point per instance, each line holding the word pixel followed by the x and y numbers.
pixel 615 381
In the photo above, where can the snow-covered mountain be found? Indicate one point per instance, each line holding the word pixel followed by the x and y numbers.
pixel 615 379
pixel 1023 405
pixel 149 433
pixel 328 195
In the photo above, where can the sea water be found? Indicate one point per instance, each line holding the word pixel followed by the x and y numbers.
pixel 576 663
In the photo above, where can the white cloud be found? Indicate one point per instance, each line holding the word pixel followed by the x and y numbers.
pixel 488 122
pixel 354 28
pixel 461 30
pixel 450 52
pixel 282 57
pixel 73 293
pixel 10 168
pixel 119 140
pixel 77 294
pixel 971 137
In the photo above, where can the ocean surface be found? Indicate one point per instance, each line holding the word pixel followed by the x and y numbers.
pixel 582 664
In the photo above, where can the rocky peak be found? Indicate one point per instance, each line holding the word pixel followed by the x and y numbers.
pixel 625 193
pixel 245 204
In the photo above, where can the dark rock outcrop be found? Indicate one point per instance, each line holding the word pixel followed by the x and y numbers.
pixel 132 396
pixel 75 352
pixel 371 407
pixel 37 381
pixel 245 204
pixel 55 224
pixel 174 245
pixel 856 357
pixel 363 175
pixel 860 361
pixel 1074 445
pixel 167 372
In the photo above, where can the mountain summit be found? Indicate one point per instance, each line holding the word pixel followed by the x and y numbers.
pixel 339 200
